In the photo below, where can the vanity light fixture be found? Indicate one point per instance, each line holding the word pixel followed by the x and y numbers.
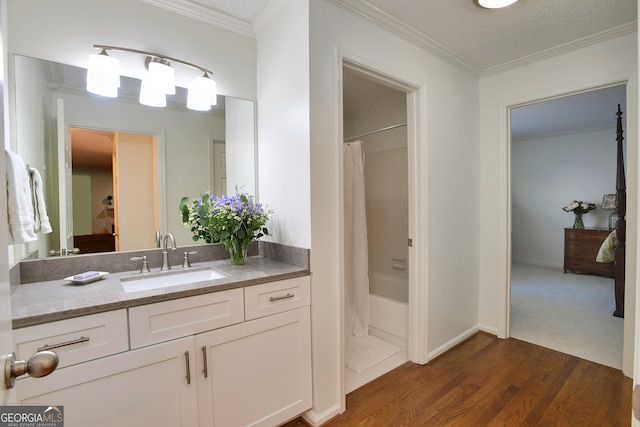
pixel 495 4
pixel 103 78
pixel 202 94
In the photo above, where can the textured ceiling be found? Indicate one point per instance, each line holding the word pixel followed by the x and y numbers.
pixel 480 39
pixel 491 37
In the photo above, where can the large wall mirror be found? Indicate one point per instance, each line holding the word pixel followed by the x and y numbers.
pixel 114 170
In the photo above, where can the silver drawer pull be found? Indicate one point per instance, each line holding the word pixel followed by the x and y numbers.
pixel 204 358
pixel 186 357
pixel 63 344
pixel 287 296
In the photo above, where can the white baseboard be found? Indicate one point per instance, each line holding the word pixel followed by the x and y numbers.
pixel 488 329
pixel 452 343
pixel 316 419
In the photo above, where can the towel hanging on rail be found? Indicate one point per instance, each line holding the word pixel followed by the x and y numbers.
pixel 40 218
pixel 19 205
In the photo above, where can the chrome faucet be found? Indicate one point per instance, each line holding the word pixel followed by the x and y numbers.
pixel 165 254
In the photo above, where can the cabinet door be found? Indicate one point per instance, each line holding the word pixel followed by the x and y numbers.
pixel 258 373
pixel 146 387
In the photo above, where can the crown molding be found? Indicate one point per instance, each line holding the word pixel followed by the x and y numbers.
pixel 602 36
pixel 204 14
pixel 273 11
pixel 382 19
pixel 393 25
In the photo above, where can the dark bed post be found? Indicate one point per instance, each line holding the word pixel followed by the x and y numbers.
pixel 621 225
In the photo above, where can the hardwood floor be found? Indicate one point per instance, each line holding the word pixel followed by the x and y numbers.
pixel 486 381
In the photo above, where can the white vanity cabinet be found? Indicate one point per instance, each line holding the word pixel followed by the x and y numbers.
pixel 238 357
pixel 258 373
pixel 143 387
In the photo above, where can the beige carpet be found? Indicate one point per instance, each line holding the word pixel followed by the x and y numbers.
pixel 567 312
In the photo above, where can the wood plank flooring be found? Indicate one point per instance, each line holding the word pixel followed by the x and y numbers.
pixel 486 381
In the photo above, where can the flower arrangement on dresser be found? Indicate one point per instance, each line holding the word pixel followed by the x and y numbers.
pixel 234 221
pixel 579 208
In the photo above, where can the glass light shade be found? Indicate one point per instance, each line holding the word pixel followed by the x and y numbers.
pixel 495 4
pixel 202 94
pixel 162 75
pixel 152 94
pixel 103 77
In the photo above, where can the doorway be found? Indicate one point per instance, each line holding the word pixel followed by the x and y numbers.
pixel 115 190
pixel 562 150
pixel 376 228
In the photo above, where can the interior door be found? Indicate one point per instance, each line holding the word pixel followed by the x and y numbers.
pixel 65 194
pixel 136 191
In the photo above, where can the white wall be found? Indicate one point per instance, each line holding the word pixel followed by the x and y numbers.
pixel 283 124
pixel 445 159
pixel 547 173
pixel 612 61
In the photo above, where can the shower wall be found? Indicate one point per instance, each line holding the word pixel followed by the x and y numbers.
pixel 387 223
pixel 386 188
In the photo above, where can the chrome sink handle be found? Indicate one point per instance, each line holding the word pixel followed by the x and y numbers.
pixel 185 261
pixel 145 264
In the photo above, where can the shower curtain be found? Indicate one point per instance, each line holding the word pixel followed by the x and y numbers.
pixel 355 242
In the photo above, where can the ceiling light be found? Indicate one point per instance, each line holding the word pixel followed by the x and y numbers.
pixel 103 77
pixel 495 4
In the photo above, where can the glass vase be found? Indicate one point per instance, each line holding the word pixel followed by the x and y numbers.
pixel 238 251
pixel 577 222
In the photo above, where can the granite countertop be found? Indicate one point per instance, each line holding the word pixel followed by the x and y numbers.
pixel 43 302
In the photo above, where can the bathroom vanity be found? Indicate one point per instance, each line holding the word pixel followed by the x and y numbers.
pixel 230 351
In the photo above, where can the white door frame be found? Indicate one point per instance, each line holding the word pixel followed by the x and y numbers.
pixel 632 164
pixel 416 152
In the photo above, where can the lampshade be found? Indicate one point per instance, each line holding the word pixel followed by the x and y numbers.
pixel 609 201
pixel 495 4
pixel 161 74
pixel 103 77
pixel 202 94
pixel 152 94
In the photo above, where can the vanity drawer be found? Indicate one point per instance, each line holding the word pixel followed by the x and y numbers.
pixel 163 321
pixel 276 297
pixel 76 340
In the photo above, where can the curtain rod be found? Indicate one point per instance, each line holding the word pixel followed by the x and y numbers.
pixel 374 131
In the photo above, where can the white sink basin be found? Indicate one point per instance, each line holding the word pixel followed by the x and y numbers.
pixel 145 282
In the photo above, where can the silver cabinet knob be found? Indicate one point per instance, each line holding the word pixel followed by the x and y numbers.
pixel 39 365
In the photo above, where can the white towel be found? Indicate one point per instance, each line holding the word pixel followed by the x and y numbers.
pixel 41 219
pixel 19 206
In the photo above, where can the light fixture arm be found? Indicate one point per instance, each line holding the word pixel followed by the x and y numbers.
pixel 155 55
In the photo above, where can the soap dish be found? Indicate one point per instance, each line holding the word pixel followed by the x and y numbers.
pixel 87 277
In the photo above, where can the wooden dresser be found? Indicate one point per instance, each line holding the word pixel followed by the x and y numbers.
pixel 581 248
